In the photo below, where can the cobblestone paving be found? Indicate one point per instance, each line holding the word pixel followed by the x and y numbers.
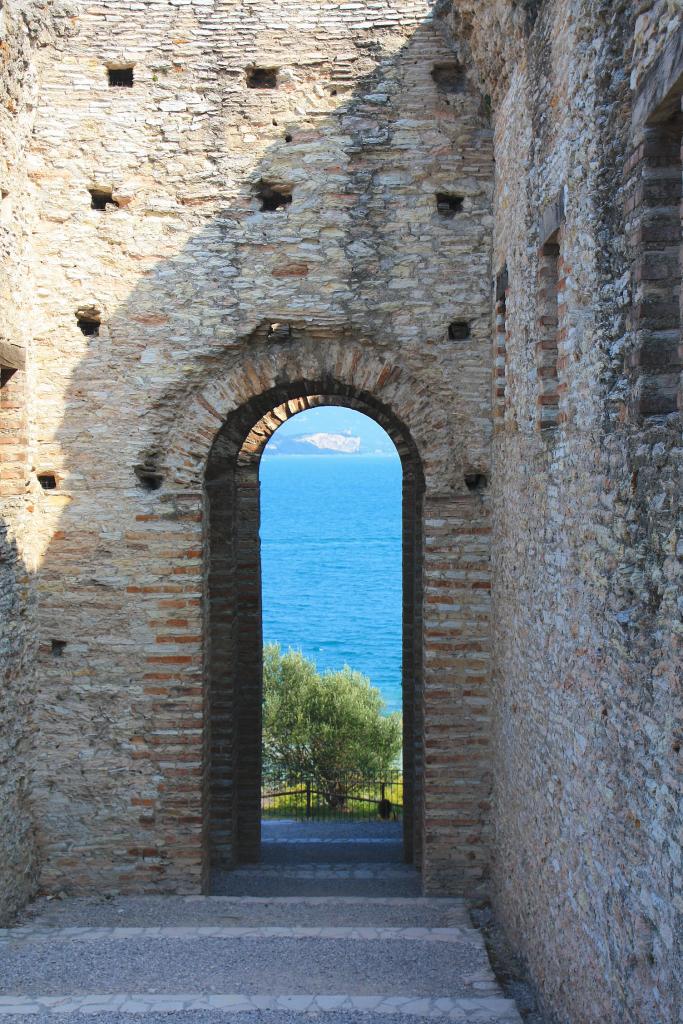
pixel 266 959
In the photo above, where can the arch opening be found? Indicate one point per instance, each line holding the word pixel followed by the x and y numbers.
pixel 330 511
pixel 234 624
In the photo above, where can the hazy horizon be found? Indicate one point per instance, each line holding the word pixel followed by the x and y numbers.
pixel 335 420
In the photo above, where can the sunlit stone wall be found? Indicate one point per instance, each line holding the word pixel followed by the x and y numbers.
pixel 326 166
pixel 25 31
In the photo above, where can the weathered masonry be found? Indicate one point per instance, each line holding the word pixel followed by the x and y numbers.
pixel 270 219
pixel 461 218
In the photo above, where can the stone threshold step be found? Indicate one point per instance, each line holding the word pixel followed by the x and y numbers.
pixel 467 1010
pixel 320 901
pixel 248 911
pixel 33 933
pixel 311 884
pixel 371 869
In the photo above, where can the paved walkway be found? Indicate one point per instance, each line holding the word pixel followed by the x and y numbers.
pixel 331 924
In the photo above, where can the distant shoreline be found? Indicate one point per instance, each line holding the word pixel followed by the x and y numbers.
pixel 329 455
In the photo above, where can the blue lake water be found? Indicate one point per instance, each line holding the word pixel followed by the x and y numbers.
pixel 331 562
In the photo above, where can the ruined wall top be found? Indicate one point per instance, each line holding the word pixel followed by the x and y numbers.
pixel 504 35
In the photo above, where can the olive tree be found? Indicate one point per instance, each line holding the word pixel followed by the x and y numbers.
pixel 328 726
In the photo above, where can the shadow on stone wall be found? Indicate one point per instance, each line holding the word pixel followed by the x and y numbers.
pixel 368 271
pixel 18 864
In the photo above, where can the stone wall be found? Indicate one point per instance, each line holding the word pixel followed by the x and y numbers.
pixel 156 302
pixel 586 548
pixel 24 29
pixel 156 321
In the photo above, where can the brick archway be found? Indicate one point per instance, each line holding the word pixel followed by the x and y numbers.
pixel 234 621
pixel 206 454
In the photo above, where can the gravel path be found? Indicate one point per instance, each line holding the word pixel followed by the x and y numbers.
pixel 249 965
pixel 331 924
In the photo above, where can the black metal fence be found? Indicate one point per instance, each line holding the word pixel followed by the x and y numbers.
pixel 351 798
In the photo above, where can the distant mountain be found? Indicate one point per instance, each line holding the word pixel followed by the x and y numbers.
pixel 315 444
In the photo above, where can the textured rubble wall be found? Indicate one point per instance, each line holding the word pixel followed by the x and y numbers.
pixel 586 549
pixel 185 273
pixel 24 28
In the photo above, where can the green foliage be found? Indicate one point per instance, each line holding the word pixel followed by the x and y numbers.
pixel 327 726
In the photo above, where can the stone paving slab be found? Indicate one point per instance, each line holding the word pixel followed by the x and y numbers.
pixel 328 870
pixel 329 849
pixel 247 911
pixel 485 1010
pixel 252 965
pixel 257 885
pixel 36 933
pixel 352 878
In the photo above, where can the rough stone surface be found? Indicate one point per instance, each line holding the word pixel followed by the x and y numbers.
pixel 25 30
pixel 543 611
pixel 186 276
pixel 586 547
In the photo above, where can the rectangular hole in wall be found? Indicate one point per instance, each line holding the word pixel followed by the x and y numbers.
pixel 449 77
pixel 150 479
pixel 57 647
pixel 279 332
pixel 548 400
pixel 658 270
pixel 120 78
pixel 273 197
pixel 448 204
pixel 459 330
pixel 476 481
pixel 48 481
pixel 88 322
pixel 262 78
pixel 500 350
pixel 100 198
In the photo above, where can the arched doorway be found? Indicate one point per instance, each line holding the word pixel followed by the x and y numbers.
pixel 232 785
